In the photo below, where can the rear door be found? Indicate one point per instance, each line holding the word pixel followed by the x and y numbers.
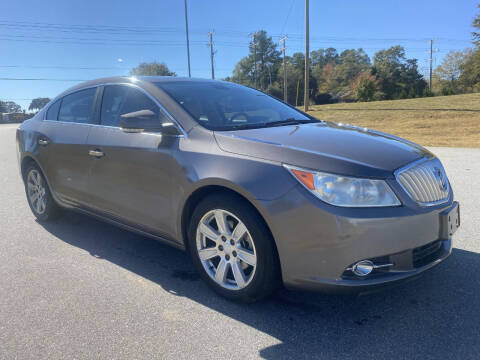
pixel 130 177
pixel 63 152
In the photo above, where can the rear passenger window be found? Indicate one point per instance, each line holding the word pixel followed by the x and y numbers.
pixel 52 112
pixel 77 107
pixel 120 100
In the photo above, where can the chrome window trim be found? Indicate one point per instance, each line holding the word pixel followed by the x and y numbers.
pixel 61 98
pixel 413 164
pixel 109 127
pixel 162 108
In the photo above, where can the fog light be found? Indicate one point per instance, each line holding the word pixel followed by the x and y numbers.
pixel 363 268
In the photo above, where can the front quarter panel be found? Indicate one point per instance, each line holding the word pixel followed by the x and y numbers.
pixel 201 163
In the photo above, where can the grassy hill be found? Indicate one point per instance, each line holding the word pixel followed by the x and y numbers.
pixel 435 121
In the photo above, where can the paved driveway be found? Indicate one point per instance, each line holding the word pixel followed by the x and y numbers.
pixel 80 288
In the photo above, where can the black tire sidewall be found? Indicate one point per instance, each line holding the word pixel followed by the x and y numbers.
pixel 265 277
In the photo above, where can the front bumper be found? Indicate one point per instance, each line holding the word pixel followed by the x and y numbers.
pixel 382 279
pixel 317 242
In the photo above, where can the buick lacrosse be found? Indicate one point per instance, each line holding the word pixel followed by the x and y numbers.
pixel 259 193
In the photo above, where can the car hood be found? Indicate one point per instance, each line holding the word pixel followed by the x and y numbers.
pixel 325 146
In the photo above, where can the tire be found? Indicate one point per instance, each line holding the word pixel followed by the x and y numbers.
pixel 241 281
pixel 42 204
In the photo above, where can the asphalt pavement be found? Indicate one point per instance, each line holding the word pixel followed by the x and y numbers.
pixel 79 288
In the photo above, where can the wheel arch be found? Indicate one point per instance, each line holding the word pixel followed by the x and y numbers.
pixel 27 161
pixel 203 191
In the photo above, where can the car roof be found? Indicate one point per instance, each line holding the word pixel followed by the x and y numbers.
pixel 133 80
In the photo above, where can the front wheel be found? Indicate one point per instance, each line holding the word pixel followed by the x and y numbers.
pixel 232 249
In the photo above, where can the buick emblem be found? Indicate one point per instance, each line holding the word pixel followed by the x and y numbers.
pixel 441 178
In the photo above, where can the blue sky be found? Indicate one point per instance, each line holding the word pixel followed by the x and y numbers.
pixel 79 40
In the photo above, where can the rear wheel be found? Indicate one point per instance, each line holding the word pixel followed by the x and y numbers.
pixel 39 196
pixel 232 249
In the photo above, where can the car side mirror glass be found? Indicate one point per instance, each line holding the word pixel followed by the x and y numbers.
pixel 146 120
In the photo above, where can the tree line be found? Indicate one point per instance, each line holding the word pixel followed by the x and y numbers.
pixel 349 75
pixel 459 71
pixel 336 76
pixel 12 107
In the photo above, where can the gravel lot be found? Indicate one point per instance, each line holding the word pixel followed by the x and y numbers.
pixel 80 288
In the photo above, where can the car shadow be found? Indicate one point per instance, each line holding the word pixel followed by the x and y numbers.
pixel 435 316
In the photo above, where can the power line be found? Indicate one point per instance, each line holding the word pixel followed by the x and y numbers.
pixel 124 42
pixel 24 26
pixel 39 79
pixel 21 99
pixel 136 43
pixel 59 67
pixel 288 16
pixel 64 67
pixel 73 27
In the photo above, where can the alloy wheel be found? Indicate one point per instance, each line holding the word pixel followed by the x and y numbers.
pixel 36 191
pixel 226 249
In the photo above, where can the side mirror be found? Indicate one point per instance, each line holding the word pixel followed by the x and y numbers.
pixel 146 120
pixel 139 121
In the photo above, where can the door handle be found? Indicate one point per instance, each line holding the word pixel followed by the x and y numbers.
pixel 43 142
pixel 96 153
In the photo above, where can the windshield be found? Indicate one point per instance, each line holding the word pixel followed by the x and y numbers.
pixel 227 106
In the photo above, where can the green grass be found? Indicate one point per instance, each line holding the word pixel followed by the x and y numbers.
pixel 435 121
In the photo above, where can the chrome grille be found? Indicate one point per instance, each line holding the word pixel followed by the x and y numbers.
pixel 425 182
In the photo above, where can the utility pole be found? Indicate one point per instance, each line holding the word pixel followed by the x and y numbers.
pixel 432 50
pixel 298 89
pixel 284 70
pixel 254 59
pixel 307 58
pixel 188 43
pixel 431 62
pixel 210 35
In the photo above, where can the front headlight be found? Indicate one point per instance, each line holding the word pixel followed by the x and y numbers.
pixel 345 191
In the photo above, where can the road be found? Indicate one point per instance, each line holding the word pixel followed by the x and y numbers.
pixel 79 288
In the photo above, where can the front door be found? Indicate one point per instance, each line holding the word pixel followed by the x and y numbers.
pixel 129 177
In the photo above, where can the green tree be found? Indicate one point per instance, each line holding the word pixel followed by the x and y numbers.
pixel 296 79
pixel 152 69
pixel 449 71
pixel 352 63
pixel 476 25
pixel 366 87
pixel 38 103
pixel 470 77
pixel 387 65
pixel 322 57
pixel 9 107
pixel 335 74
pixel 267 58
pixel 399 76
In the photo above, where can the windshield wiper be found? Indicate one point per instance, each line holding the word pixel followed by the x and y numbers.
pixel 289 121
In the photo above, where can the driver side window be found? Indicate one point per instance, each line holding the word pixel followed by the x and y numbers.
pixel 119 100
